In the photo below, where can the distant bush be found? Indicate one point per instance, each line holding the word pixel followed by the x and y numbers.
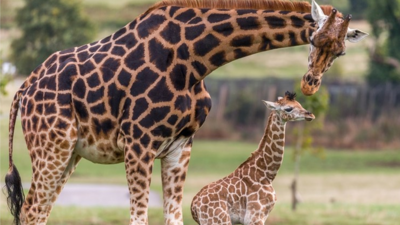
pixel 6 15
pixel 385 56
pixel 48 26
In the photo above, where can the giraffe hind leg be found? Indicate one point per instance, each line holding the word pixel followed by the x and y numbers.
pixel 53 161
pixel 215 214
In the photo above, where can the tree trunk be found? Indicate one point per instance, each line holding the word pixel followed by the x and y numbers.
pixel 223 97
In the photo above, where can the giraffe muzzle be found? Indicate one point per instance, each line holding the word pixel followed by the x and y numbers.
pixel 309 116
pixel 310 84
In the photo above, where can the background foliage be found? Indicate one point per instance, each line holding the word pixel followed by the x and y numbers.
pixel 384 17
pixel 318 105
pixel 47 28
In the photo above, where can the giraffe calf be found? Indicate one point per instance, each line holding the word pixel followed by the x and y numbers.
pixel 246 196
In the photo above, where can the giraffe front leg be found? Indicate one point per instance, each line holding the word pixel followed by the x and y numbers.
pixel 138 164
pixel 174 167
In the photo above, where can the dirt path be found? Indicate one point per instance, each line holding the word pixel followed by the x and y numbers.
pixel 99 195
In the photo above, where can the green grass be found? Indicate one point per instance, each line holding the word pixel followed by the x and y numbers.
pixel 343 214
pixel 307 214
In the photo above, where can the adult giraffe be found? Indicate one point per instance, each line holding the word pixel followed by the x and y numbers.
pixel 139 94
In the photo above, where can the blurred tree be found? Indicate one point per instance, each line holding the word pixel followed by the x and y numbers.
pixel 358 8
pixel 245 108
pixel 48 26
pixel 6 14
pixel 318 105
pixel 384 16
pixel 341 5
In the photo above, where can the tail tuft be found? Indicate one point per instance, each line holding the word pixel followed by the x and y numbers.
pixel 15 193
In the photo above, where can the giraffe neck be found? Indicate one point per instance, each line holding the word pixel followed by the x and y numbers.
pixel 209 38
pixel 252 31
pixel 269 155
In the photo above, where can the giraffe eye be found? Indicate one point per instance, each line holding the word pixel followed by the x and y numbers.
pixel 289 109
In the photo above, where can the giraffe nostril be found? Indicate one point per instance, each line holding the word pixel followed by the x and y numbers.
pixel 316 82
pixel 308 78
pixel 310 82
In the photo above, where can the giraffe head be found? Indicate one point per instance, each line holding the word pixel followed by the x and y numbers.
pixel 327 44
pixel 288 109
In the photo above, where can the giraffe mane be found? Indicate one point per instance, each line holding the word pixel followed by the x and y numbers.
pixel 284 5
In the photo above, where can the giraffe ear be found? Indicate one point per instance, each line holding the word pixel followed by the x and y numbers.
pixel 354 35
pixel 271 105
pixel 317 13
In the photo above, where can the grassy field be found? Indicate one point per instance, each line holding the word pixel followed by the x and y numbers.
pixel 343 187
pixel 307 214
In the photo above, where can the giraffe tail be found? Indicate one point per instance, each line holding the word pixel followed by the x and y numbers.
pixel 13 184
pixel 15 193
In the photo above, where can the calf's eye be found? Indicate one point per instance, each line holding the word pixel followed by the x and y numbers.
pixel 289 109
